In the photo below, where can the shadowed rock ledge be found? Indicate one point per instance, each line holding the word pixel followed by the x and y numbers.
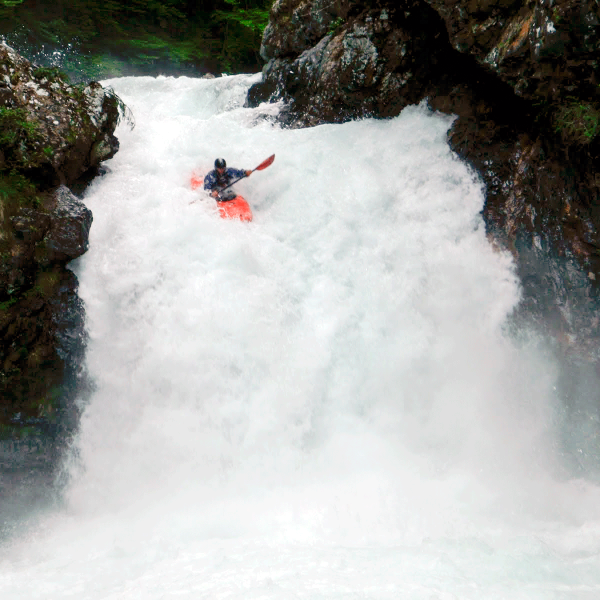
pixel 52 137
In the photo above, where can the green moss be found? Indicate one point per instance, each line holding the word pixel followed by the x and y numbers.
pixel 40 252
pixel 46 283
pixel 335 25
pixel 50 73
pixel 4 306
pixel 14 123
pixel 16 191
pixel 19 137
pixel 578 122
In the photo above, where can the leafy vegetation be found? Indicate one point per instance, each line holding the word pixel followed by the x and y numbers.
pixel 14 126
pixel 243 28
pixel 18 137
pixel 335 25
pixel 50 73
pixel 110 38
pixel 16 191
pixel 577 121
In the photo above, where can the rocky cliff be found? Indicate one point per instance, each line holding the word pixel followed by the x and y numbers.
pixel 51 135
pixel 522 76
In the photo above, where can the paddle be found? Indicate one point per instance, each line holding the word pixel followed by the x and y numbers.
pixel 263 165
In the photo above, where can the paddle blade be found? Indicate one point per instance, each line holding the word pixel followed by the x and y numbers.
pixel 265 163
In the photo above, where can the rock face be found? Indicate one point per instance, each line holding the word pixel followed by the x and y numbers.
pixel 70 222
pixel 51 134
pixel 545 50
pixel 343 60
pixel 59 131
pixel 523 79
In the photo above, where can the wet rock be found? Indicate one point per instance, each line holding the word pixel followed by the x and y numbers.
pixel 52 136
pixel 30 225
pixel 543 49
pixel 363 61
pixel 70 222
pixel 297 25
pixel 60 130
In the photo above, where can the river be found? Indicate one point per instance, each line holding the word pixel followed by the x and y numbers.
pixel 325 403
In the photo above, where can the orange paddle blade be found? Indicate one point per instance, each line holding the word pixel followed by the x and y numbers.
pixel 265 163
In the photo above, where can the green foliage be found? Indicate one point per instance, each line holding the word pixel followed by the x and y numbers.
pixel 50 73
pixel 15 185
pixel 18 432
pixel 578 122
pixel 56 30
pixel 99 39
pixel 255 18
pixel 152 48
pixel 556 16
pixel 18 137
pixel 335 25
pixel 16 191
pixel 14 126
pixel 241 32
pixel 4 306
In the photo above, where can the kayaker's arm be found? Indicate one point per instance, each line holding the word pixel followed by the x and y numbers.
pixel 237 174
pixel 210 181
pixel 210 184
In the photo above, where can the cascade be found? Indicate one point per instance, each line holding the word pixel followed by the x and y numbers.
pixel 323 403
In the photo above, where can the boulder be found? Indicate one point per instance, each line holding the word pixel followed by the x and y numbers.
pixel 70 222
pixel 365 60
pixel 58 131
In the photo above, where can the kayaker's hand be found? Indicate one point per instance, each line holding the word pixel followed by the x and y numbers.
pixel 248 173
pixel 214 194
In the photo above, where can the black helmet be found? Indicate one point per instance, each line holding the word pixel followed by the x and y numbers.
pixel 220 163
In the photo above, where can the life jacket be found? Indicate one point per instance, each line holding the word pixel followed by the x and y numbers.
pixel 223 179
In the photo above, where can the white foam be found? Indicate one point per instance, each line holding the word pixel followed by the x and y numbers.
pixel 319 404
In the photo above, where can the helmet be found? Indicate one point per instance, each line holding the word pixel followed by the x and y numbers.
pixel 220 163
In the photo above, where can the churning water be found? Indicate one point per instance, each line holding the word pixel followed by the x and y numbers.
pixel 321 404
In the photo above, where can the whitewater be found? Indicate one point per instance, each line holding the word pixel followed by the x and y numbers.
pixel 324 403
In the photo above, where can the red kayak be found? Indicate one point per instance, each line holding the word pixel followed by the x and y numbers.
pixel 237 208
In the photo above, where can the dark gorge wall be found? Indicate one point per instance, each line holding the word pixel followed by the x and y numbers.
pixel 52 134
pixel 522 78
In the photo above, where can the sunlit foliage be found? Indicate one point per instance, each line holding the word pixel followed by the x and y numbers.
pixel 215 35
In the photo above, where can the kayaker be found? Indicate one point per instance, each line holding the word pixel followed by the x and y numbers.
pixel 221 177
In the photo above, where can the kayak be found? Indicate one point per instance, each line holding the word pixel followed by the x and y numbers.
pixel 236 208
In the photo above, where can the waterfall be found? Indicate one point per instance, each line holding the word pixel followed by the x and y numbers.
pixel 323 403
